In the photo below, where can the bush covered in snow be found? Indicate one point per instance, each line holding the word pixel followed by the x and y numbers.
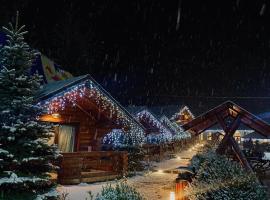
pixel 219 178
pixel 118 140
pixel 135 157
pixel 121 191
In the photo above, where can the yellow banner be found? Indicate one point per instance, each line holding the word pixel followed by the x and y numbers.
pixel 51 72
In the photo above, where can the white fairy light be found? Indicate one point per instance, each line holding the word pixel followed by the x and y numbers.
pixel 164 134
pixel 71 96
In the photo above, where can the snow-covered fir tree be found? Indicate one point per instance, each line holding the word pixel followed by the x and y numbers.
pixel 25 156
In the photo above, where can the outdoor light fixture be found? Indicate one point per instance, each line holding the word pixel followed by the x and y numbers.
pixel 55 115
pixel 178 157
pixel 160 171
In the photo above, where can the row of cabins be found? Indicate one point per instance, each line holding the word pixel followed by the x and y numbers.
pixel 185 115
pixel 83 114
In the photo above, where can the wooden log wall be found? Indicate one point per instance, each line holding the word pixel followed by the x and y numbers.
pixel 89 130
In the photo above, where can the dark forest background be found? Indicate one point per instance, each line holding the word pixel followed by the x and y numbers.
pixel 157 52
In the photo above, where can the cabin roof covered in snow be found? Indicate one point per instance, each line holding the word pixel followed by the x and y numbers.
pixel 135 109
pixel 255 135
pixel 54 88
pixel 153 118
pixel 158 111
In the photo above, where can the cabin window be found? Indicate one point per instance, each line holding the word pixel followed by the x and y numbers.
pixel 66 138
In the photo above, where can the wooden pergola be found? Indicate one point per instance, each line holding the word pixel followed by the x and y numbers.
pixel 229 116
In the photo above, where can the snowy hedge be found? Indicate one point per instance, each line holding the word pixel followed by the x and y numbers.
pixel 219 178
pixel 120 192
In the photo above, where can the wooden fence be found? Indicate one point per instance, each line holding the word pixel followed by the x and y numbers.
pixel 93 166
pixel 96 166
pixel 155 152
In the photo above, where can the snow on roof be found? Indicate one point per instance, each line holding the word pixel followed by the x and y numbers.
pixel 186 108
pixel 158 111
pixel 172 126
pixel 154 120
pixel 58 88
pixel 255 135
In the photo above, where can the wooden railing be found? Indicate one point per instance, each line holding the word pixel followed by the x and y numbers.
pixel 92 166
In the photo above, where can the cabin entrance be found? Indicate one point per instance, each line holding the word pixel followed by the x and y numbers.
pixel 65 138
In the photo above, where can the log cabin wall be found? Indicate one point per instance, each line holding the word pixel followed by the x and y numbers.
pixel 89 133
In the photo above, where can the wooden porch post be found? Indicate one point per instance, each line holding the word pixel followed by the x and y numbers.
pixel 229 132
pixel 125 163
pixel 228 139
pixel 241 157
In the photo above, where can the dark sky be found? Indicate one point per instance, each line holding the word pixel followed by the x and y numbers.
pixel 141 55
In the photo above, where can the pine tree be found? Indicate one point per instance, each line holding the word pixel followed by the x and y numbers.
pixel 25 156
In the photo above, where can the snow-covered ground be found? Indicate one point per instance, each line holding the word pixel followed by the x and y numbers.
pixel 153 184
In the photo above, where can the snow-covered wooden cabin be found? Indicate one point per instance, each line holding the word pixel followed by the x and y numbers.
pixel 83 113
pixel 155 131
pixel 183 116
pixel 176 130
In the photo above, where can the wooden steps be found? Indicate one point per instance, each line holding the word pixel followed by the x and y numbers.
pixel 90 177
pixel 94 173
pixel 98 175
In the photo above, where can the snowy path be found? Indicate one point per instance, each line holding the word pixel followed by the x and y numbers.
pixel 152 185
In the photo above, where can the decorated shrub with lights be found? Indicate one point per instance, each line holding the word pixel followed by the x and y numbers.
pixel 219 178
pixel 115 138
pixel 118 140
pixel 25 156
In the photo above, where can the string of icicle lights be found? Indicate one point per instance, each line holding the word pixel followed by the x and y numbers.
pixel 179 133
pixel 164 134
pixel 89 90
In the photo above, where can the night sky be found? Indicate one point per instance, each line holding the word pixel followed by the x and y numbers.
pixel 153 52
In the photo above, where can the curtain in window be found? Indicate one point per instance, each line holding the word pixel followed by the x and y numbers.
pixel 66 138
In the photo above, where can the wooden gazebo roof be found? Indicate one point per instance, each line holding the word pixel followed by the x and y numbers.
pixel 227 109
pixel 236 115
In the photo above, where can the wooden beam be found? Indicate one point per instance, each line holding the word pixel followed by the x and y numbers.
pixel 223 108
pixel 260 128
pixel 240 155
pixel 204 129
pixel 252 121
pixel 99 111
pixel 106 124
pixel 231 130
pixel 221 121
pixel 207 122
pixel 85 112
